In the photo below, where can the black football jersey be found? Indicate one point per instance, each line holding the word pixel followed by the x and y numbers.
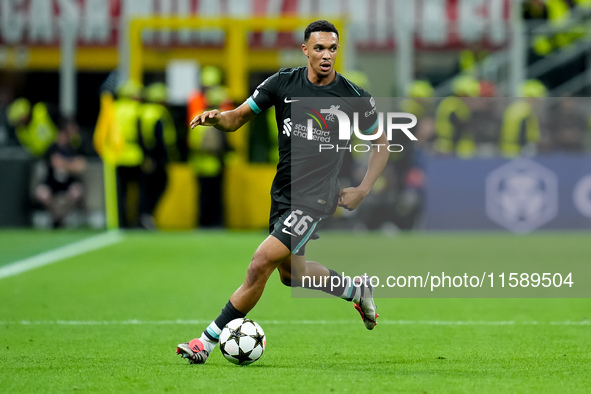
pixel 310 157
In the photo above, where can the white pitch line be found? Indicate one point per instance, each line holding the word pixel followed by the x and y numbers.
pixel 63 252
pixel 294 322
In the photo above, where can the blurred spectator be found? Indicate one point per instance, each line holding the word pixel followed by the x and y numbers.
pixel 35 125
pixel 158 140
pixel 487 89
pixel 534 10
pixel 208 148
pixel 586 4
pixel 349 166
pixel 405 177
pixel 520 130
pixel 420 102
pixel 451 116
pixel 7 135
pixel 469 59
pixel 419 98
pixel 126 110
pixel 483 123
pixel 396 200
pixel 568 126
pixel 558 14
pixel 62 191
pixel 116 139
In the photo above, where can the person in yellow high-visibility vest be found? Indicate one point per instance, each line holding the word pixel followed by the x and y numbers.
pixel 128 155
pixel 520 131
pixel 451 114
pixel 469 59
pixel 584 4
pixel 159 142
pixel 404 171
pixel 568 126
pixel 208 148
pixel 35 125
pixel 419 99
pixel 558 13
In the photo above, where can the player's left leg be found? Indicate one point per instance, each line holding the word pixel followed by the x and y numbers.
pixel 266 259
pixel 299 272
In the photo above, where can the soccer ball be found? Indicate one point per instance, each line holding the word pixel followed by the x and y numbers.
pixel 242 341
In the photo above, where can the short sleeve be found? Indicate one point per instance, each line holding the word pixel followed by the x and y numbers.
pixel 265 94
pixel 368 116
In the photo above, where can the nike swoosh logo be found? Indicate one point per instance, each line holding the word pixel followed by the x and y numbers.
pixel 286 101
pixel 287 232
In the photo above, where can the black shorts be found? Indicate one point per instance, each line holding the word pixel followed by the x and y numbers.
pixel 293 227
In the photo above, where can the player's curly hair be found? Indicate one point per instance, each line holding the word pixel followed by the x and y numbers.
pixel 321 25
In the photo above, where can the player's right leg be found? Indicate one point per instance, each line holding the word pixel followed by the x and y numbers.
pixel 266 259
pixel 299 272
pixel 296 271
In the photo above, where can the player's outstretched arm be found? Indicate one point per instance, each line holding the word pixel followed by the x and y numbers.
pixel 351 197
pixel 225 121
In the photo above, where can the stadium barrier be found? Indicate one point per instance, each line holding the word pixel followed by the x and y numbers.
pixel 521 195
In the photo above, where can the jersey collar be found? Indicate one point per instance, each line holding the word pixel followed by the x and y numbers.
pixel 321 87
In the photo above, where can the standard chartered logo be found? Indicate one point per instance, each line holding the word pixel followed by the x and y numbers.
pixel 287 127
pixel 300 130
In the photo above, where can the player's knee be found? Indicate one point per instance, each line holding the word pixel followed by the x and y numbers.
pixel 285 277
pixel 254 271
pixel 260 268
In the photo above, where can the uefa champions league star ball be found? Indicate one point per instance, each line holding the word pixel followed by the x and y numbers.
pixel 242 341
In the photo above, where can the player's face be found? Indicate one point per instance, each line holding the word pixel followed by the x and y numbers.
pixel 321 50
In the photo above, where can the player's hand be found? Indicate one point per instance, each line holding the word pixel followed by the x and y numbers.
pixel 208 118
pixel 351 197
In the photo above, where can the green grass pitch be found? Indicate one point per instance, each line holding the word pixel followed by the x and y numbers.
pixel 109 321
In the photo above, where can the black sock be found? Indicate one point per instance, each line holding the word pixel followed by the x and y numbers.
pixel 334 285
pixel 228 314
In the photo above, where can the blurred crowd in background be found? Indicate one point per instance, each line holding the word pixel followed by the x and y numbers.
pixel 470 123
